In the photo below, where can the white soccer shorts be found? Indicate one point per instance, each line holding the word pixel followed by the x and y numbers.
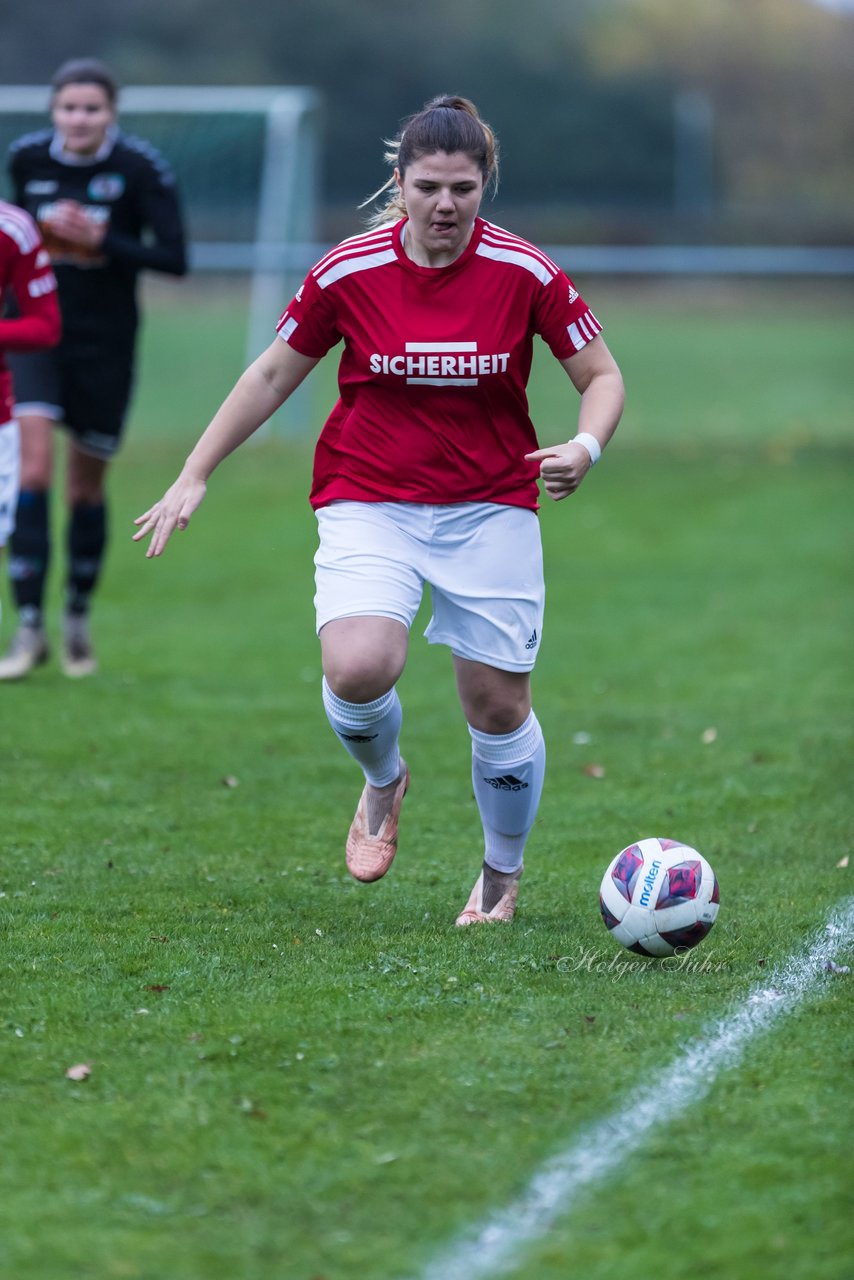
pixel 482 561
pixel 10 476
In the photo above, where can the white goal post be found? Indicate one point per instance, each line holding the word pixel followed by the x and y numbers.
pixel 247 164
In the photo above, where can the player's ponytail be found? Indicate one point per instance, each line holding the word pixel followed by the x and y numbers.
pixel 447 123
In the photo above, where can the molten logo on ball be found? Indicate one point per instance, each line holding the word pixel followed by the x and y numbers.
pixel 659 897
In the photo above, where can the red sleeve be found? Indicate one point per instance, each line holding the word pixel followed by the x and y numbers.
pixel 31 280
pixel 563 318
pixel 309 324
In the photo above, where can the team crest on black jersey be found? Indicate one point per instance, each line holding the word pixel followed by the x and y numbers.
pixel 106 186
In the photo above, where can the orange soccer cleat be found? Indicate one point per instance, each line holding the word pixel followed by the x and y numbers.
pixel 493 897
pixel 370 854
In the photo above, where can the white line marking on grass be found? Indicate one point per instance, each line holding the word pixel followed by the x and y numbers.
pixel 598 1151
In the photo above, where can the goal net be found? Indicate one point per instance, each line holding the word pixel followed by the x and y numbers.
pixel 246 160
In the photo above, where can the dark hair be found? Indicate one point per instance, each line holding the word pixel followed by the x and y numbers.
pixel 86 71
pixel 447 123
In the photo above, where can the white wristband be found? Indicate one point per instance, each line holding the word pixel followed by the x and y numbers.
pixel 591 444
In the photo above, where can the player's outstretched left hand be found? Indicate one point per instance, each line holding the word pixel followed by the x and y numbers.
pixel 562 468
pixel 172 512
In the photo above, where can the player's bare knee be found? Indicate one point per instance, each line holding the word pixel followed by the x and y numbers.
pixel 355 681
pixel 494 701
pixel 359 673
pixel 500 717
pixel 362 657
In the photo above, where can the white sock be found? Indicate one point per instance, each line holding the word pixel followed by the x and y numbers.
pixel 370 732
pixel 507 774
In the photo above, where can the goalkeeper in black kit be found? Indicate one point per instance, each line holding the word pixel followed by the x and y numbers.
pixel 108 208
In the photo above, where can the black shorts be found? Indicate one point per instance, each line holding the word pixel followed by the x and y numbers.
pixel 82 386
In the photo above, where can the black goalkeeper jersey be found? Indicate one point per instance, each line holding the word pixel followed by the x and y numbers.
pixel 129 186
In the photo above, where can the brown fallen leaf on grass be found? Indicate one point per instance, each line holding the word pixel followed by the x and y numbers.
pixel 82 1071
pixel 594 770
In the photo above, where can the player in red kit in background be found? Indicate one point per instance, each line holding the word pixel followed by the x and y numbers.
pixel 27 280
pixel 426 472
pixel 107 208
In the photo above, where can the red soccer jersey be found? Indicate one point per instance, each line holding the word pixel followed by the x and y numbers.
pixel 436 360
pixel 25 270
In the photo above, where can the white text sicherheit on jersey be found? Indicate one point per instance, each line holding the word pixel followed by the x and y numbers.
pixel 441 364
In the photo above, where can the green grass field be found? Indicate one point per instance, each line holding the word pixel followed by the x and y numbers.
pixel 297 1077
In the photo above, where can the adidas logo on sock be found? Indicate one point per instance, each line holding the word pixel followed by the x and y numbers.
pixel 507 783
pixel 358 737
pixel 532 643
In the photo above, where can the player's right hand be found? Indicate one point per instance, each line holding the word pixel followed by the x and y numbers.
pixel 172 512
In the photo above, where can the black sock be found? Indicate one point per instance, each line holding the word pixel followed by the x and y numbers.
pixel 87 540
pixel 30 554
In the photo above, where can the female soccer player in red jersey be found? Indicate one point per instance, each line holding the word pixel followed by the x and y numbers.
pixel 107 209
pixel 25 277
pixel 426 472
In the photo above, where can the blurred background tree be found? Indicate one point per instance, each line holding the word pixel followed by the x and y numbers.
pixel 620 120
pixel 777 76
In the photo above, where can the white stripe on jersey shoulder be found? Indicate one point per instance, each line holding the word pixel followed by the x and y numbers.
pixel 19 226
pixel 366 242
pixel 144 148
pixel 359 253
pixel 583 330
pixel 349 265
pixel 499 235
pixel 38 137
pixel 503 246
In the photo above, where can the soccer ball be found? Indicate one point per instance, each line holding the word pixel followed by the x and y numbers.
pixel 658 897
